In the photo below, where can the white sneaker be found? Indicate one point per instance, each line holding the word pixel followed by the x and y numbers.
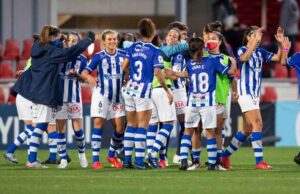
pixel 167 162
pixel 63 164
pixel 194 166
pixel 176 160
pixel 220 167
pixel 10 157
pixel 83 161
pixel 35 165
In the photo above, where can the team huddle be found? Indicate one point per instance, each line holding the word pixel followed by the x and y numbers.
pixel 144 88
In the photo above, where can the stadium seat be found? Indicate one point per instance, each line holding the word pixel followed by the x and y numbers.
pixel 86 94
pixel 269 94
pixel 12 50
pixel 2 96
pixel 280 71
pixel 6 70
pixel 20 66
pixel 27 44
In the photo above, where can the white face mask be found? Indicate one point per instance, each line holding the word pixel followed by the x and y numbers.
pixel 127 44
pixel 182 41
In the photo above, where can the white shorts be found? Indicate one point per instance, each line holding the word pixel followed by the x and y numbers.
pixel 248 103
pixel 102 107
pixel 162 111
pixel 137 104
pixel 69 110
pixel 207 115
pixel 24 108
pixel 180 100
pixel 43 114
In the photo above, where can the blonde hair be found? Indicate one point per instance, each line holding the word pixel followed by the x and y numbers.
pixel 46 32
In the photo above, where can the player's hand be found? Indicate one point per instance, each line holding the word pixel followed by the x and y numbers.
pixel 18 73
pixel 91 35
pixel 170 97
pixel 169 72
pixel 91 80
pixel 72 72
pixel 286 43
pixel 235 96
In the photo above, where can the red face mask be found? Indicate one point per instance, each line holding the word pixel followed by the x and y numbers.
pixel 212 45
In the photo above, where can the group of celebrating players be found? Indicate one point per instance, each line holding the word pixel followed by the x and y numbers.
pixel 155 86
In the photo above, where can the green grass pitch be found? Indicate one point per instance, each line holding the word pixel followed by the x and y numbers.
pixel 283 179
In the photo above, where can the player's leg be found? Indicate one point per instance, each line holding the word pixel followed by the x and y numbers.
pixel 196 147
pixel 80 141
pixel 180 119
pixel 62 143
pixel 219 129
pixel 52 144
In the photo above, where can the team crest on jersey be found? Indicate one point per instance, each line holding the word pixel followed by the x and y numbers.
pixel 74 108
pixel 138 48
pixel 179 57
pixel 160 59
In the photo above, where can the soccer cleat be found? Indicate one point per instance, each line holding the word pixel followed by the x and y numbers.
pixel 115 163
pixel 68 159
pixel 153 162
pixel 49 161
pixel 127 165
pixel 82 160
pixel 10 157
pixel 194 166
pixel 297 159
pixel 120 155
pixel 162 163
pixel 63 164
pixel 263 166
pixel 176 160
pixel 35 165
pixel 140 166
pixel 220 167
pixel 183 165
pixel 97 165
pixel 225 161
pixel 211 166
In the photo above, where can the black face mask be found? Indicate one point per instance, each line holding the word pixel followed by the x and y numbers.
pixel 58 43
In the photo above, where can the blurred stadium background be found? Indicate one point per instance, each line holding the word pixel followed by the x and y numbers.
pixel 20 19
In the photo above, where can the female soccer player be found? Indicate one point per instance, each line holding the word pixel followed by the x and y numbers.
pixel 72 106
pixel 106 99
pixel 202 73
pixel 250 60
pixel 145 60
pixel 41 83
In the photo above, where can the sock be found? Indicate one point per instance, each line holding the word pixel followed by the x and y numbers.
pixel 129 143
pixel 115 142
pixel 80 141
pixel 52 144
pixel 163 153
pixel 185 146
pixel 235 143
pixel 62 146
pixel 22 137
pixel 181 130
pixel 211 146
pixel 223 136
pixel 140 145
pixel 96 143
pixel 161 139
pixel 219 155
pixel 196 154
pixel 256 139
pixel 29 130
pixel 35 141
pixel 151 135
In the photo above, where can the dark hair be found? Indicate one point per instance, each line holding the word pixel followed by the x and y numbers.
pixel 130 37
pixel 35 37
pixel 179 25
pixel 196 46
pixel 146 27
pixel 46 32
pixel 249 30
pixel 216 27
pixel 156 41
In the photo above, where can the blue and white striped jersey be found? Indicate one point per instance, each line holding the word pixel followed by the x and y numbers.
pixel 110 73
pixel 178 63
pixel 249 82
pixel 143 58
pixel 70 83
pixel 203 77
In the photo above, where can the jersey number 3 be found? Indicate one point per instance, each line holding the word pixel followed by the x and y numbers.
pixel 137 76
